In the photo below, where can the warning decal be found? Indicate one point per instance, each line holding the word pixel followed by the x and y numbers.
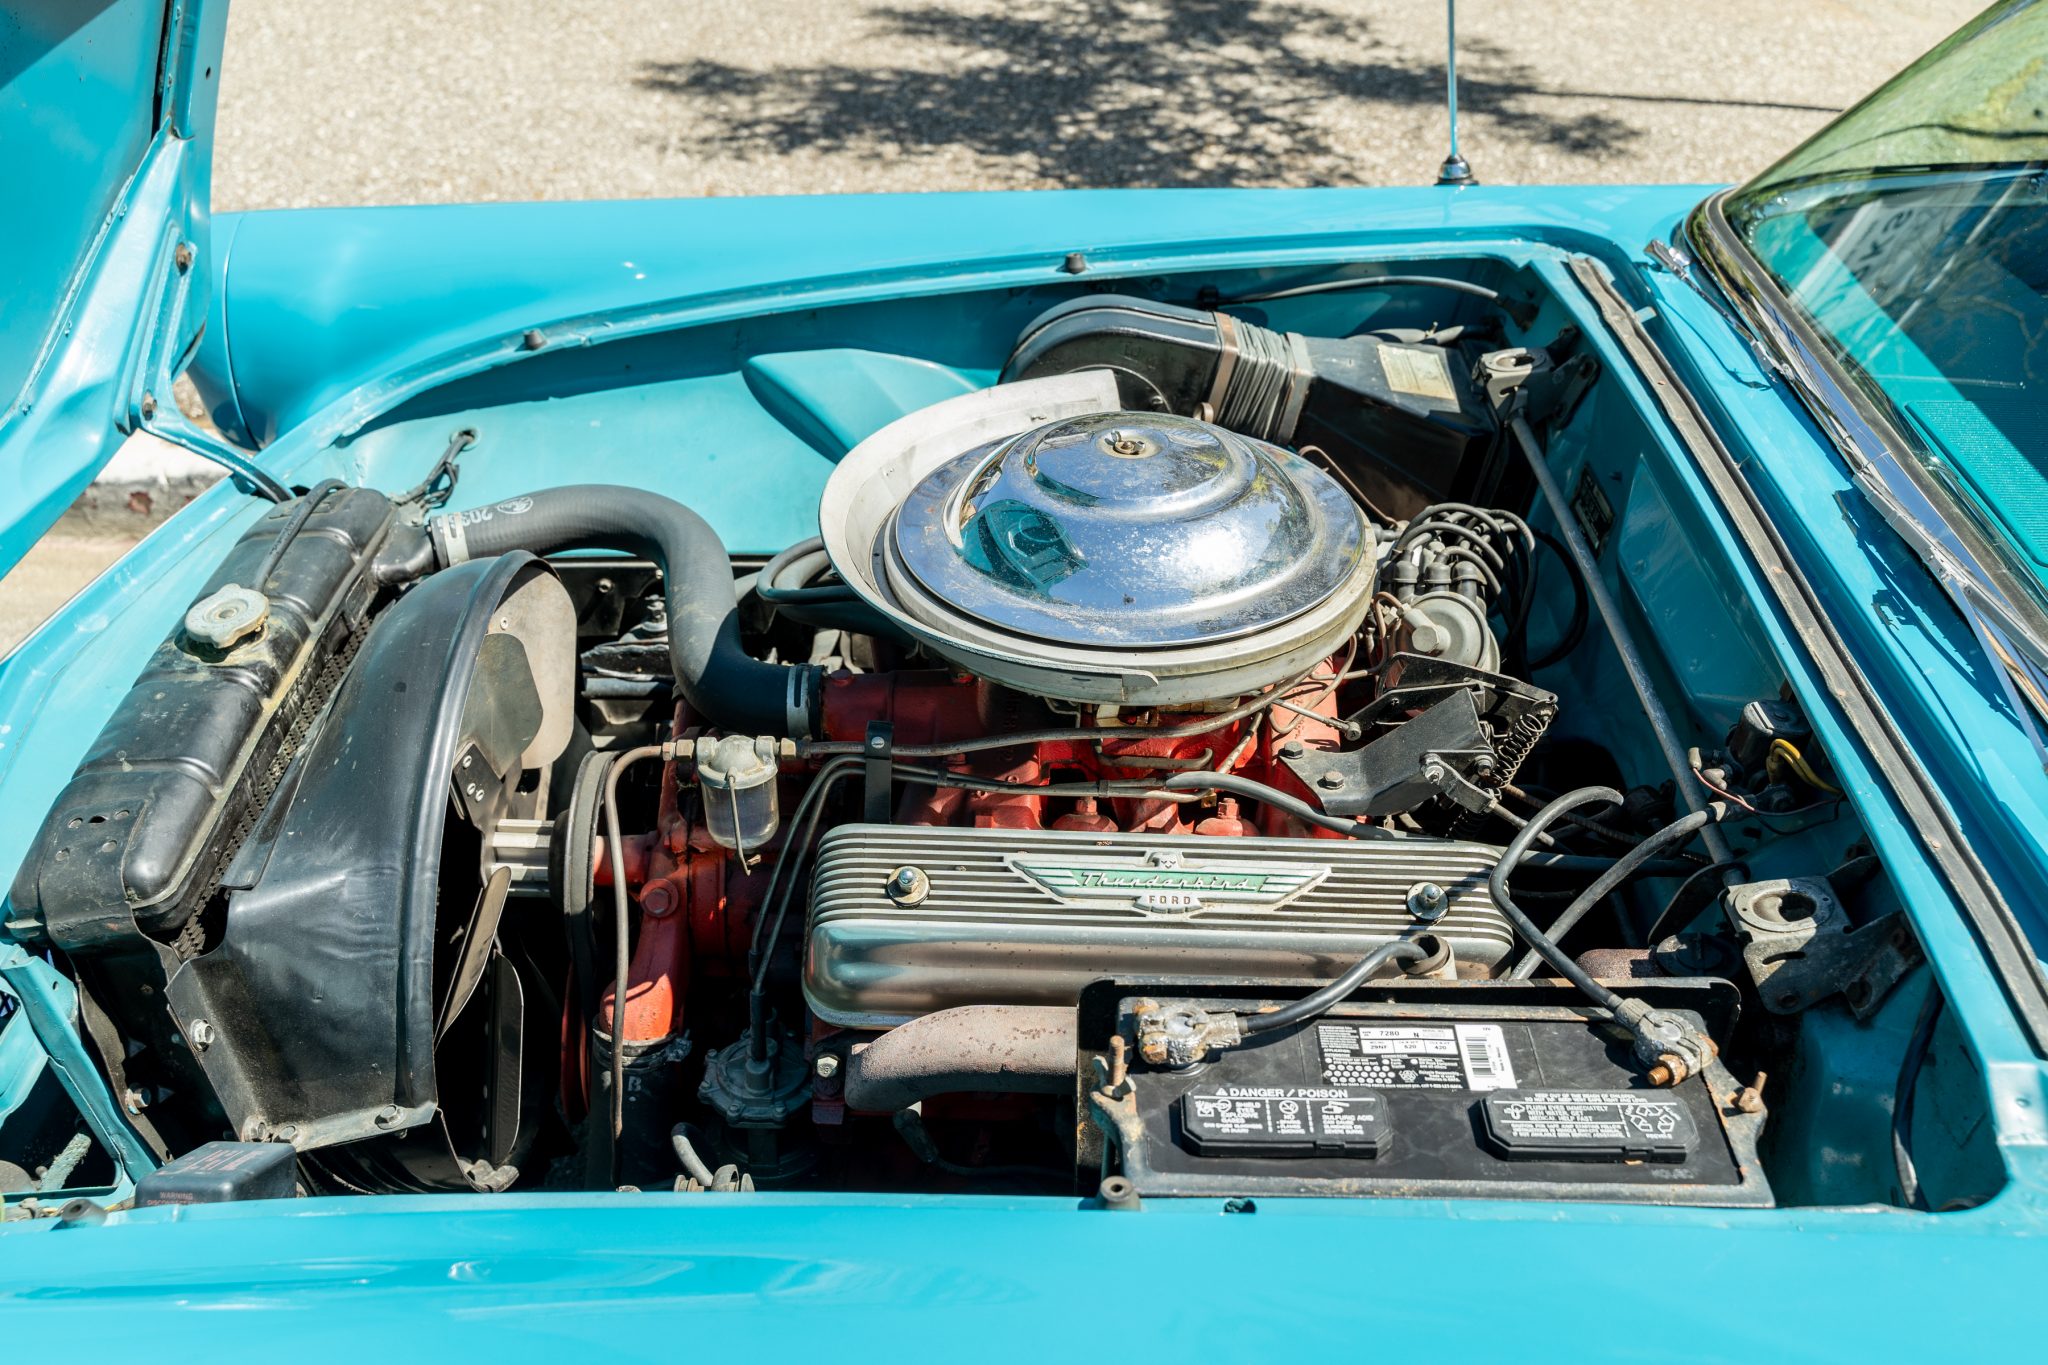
pixel 1416 1056
pixel 1282 1120
pixel 1590 1125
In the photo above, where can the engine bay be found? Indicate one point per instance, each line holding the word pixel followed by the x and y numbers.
pixel 1190 765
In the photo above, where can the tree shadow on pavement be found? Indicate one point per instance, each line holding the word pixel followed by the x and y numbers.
pixel 1098 93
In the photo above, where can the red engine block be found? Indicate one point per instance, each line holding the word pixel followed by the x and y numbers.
pixel 937 708
pixel 697 904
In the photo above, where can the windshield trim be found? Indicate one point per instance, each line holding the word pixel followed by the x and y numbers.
pixel 1974 564
pixel 1811 181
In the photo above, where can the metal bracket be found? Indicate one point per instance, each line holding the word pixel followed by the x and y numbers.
pixel 1404 767
pixel 250 475
pixel 878 799
pixel 1800 947
pixel 1543 384
pixel 1442 749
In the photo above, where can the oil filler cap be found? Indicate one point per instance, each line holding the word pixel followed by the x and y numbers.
pixel 1589 1125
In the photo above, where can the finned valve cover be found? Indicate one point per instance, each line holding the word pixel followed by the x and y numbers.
pixel 1019 917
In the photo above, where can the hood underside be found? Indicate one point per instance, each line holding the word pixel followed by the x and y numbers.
pixel 106 111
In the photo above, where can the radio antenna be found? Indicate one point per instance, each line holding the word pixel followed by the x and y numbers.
pixel 1455 170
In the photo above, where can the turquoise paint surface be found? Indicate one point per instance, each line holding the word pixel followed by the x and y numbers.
pixel 835 399
pixel 751 447
pixel 75 132
pixel 866 1279
pixel 338 374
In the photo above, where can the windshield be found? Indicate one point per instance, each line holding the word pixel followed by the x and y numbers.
pixel 1913 234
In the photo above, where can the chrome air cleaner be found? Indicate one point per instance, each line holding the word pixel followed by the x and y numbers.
pixel 1127 530
pixel 1034 534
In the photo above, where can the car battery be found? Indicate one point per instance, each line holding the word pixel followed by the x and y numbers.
pixel 1511 1089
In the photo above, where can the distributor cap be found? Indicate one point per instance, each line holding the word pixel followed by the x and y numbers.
pixel 1129 530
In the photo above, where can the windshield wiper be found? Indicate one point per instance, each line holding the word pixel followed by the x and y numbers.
pixel 2018 652
pixel 1674 258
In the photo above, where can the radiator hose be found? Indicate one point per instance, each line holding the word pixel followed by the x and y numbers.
pixel 714 673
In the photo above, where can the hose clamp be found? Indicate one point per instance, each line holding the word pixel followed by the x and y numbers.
pixel 801 701
pixel 451 542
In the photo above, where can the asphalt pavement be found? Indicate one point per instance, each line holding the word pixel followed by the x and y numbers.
pixel 413 101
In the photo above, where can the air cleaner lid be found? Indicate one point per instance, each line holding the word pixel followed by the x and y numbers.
pixel 1129 529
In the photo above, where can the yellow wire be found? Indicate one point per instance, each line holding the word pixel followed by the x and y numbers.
pixel 1784 749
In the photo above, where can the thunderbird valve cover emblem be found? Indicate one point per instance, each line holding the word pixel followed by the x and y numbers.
pixel 1167 882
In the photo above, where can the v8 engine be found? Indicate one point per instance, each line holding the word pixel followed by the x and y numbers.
pixel 1135 789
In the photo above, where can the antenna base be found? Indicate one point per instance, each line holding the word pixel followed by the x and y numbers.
pixel 1455 171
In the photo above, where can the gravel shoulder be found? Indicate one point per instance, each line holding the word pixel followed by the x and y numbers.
pixel 48 576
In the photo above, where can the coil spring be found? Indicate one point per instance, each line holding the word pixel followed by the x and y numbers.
pixel 1509 754
pixel 1521 738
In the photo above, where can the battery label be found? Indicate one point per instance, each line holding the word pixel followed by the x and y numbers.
pixel 1273 1120
pixel 1590 1125
pixel 1416 1056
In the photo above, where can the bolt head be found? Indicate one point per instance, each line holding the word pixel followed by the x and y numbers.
pixel 1330 780
pixel 1428 902
pixel 909 885
pixel 200 1035
pixel 658 897
pixel 827 1065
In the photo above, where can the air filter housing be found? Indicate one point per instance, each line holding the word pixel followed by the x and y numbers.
pixel 1034 534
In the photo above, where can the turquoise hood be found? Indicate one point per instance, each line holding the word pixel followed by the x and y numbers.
pixel 106 134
